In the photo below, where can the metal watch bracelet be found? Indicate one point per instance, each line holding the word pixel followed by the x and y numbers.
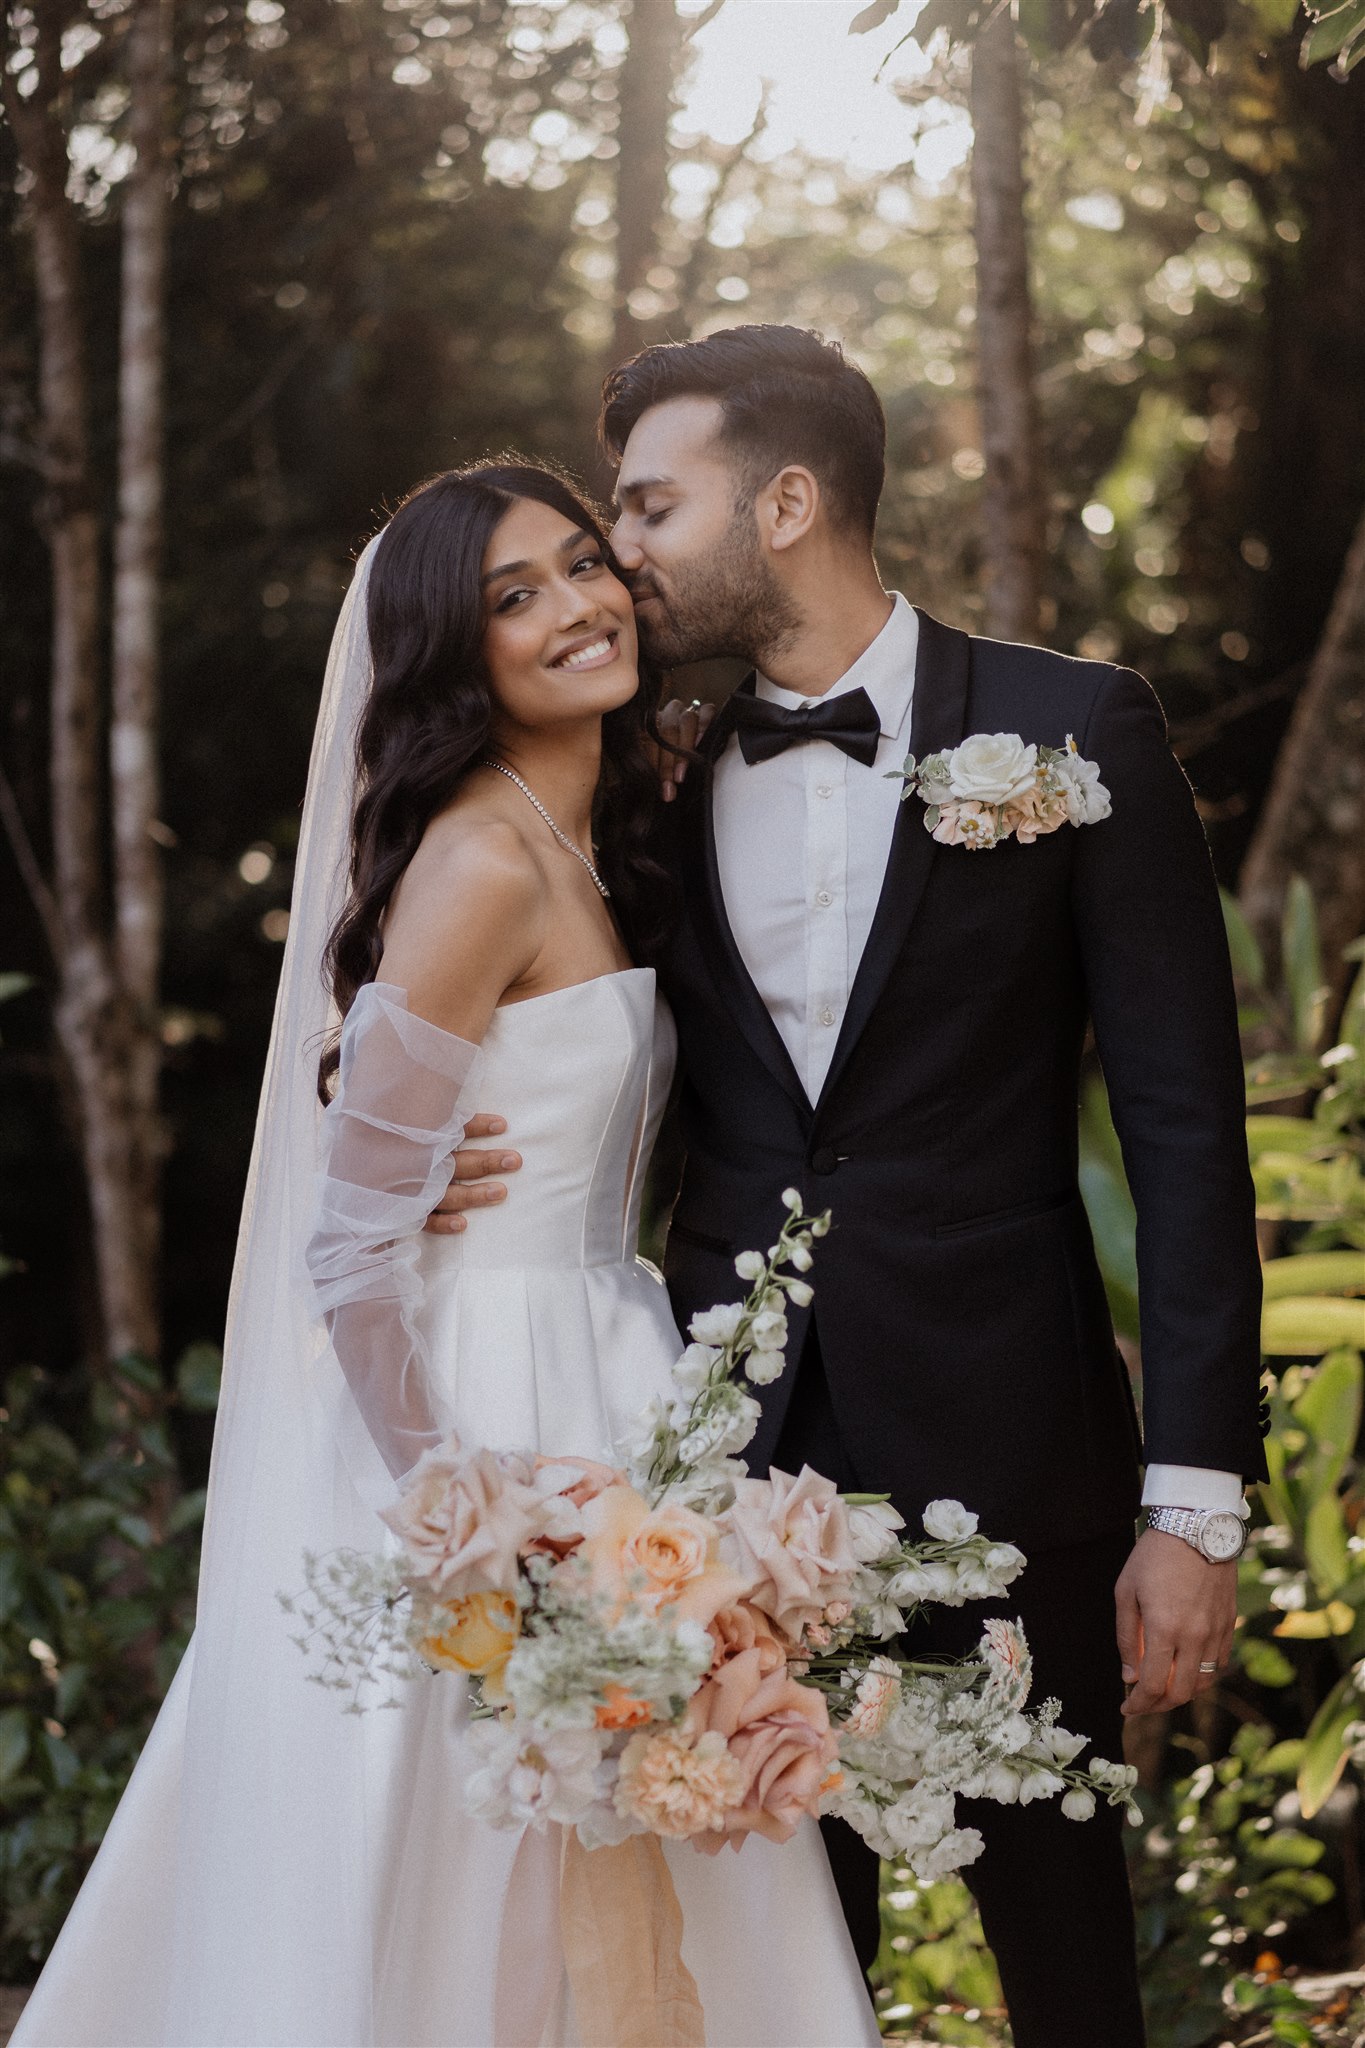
pixel 1218 1534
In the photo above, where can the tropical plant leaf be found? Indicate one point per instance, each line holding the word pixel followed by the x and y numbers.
pixel 198 1376
pixel 1313 1273
pixel 1306 1325
pixel 1332 32
pixel 1325 1752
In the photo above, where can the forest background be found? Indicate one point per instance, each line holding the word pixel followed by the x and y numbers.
pixel 265 266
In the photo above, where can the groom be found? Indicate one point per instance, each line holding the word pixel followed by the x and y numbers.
pixel 895 1027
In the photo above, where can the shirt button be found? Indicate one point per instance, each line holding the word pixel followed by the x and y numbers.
pixel 823 789
pixel 827 1015
pixel 824 899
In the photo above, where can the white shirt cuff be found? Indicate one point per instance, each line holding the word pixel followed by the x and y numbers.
pixel 1193 1486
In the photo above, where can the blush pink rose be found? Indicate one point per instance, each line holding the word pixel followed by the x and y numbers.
pixel 741 1627
pixel 791 1543
pixel 778 1732
pixel 578 1480
pixel 465 1517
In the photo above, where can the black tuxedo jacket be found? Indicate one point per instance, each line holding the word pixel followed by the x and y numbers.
pixel 962 1319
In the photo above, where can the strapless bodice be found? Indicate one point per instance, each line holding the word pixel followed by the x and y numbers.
pixel 582 1076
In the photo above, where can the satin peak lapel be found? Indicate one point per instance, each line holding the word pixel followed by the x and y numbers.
pixel 938 719
pixel 714 932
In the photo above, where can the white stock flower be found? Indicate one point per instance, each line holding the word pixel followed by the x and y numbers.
pixel 769 1330
pixel 693 1369
pixel 749 1265
pixel 947 1521
pixel 961 1847
pixel 1039 1784
pixel 1078 1804
pixel 1004 1562
pixel 873 1529
pixel 717 1325
pixel 799 1292
pixel 527 1777
pixel 761 1368
pixel 991 767
pixel 1060 1745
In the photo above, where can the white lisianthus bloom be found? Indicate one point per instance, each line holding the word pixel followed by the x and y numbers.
pixel 947 1521
pixel 873 1529
pixel 717 1325
pixel 527 1777
pixel 749 1265
pixel 1078 1804
pixel 991 768
pixel 1079 785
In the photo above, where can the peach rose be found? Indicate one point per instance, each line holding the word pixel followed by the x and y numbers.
pixel 779 1734
pixel 678 1784
pixel 477 1635
pixel 740 1627
pixel 465 1517
pixel 665 1556
pixel 792 1546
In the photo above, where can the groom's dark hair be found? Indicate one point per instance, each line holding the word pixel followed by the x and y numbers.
pixel 785 395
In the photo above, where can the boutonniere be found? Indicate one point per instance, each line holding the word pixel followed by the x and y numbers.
pixel 993 787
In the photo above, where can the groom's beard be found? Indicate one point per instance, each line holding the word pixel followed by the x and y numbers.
pixel 727 602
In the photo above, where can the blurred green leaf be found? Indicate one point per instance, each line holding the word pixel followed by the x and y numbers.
pixel 1248 961
pixel 1264 1663
pixel 1302 1325
pixel 1305 982
pixel 198 1377
pixel 1316 1624
pixel 1324 1753
pixel 1333 32
pixel 1313 1273
pixel 13 1741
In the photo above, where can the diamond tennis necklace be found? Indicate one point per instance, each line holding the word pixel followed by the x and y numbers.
pixel 562 837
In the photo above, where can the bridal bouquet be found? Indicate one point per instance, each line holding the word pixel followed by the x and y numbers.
pixel 666 1646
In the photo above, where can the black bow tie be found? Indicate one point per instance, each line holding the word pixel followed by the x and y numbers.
pixel 848 721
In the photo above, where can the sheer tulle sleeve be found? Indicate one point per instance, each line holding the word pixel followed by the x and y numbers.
pixel 387 1139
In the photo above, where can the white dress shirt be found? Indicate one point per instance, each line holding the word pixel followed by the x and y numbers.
pixel 802 841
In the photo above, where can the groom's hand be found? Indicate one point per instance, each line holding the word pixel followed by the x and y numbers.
pixel 471 1187
pixel 1176 1611
pixel 680 725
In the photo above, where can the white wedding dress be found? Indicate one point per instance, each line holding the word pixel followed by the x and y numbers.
pixel 281 1874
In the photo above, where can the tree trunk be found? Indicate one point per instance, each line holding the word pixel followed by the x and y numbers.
pixel 646 107
pixel 1313 820
pixel 1014 515
pixel 92 1019
pixel 133 765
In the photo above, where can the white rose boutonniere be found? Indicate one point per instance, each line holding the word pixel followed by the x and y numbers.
pixel 993 787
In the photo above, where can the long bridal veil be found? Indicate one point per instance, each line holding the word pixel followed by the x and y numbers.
pixel 239 1895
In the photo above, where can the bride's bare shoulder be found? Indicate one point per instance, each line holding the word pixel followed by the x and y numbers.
pixel 467 918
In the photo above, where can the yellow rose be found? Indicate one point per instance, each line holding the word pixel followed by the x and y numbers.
pixel 477 1635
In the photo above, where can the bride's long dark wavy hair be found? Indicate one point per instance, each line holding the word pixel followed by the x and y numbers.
pixel 428 716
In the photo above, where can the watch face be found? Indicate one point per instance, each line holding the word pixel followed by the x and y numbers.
pixel 1221 1537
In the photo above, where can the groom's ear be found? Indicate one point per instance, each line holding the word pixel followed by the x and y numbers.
pixel 788 506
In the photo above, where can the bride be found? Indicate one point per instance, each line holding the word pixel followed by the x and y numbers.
pixel 282 1873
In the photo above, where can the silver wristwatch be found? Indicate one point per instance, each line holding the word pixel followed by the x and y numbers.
pixel 1219 1534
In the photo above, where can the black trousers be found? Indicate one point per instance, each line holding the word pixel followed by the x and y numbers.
pixel 1053 1893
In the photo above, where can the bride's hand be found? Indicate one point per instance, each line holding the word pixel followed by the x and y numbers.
pixel 680 725
pixel 471 1188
